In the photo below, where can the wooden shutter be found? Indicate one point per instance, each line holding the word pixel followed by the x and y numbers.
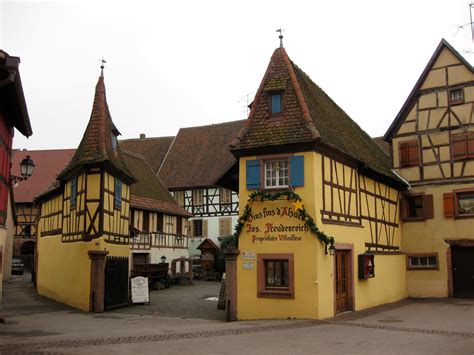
pixel 403 152
pixel 179 225
pixel 459 147
pixel 204 228
pixel 470 145
pixel 403 209
pixel 448 204
pixel 253 174
pixel 413 153
pixel 297 171
pixel 428 206
pixel 191 228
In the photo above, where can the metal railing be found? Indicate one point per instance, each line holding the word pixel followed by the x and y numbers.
pixel 146 241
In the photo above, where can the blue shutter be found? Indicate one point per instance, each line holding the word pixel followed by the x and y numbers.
pixel 253 174
pixel 297 170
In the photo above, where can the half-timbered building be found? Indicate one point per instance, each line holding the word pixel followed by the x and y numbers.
pixel 197 168
pixel 13 114
pixel 312 183
pixel 84 221
pixel 432 146
pixel 158 224
pixel 48 164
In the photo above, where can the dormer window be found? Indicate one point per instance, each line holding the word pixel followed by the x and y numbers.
pixel 114 141
pixel 276 103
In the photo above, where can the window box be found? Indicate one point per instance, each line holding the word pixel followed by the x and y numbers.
pixel 275 276
pixel 427 261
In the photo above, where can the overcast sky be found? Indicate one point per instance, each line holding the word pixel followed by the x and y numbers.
pixel 175 64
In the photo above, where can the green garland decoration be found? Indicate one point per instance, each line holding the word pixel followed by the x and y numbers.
pixel 272 196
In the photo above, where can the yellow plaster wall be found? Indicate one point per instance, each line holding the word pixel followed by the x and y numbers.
pixel 435 78
pixel 314 270
pixel 428 237
pixel 445 58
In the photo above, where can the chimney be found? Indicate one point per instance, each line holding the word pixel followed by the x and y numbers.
pixel 142 136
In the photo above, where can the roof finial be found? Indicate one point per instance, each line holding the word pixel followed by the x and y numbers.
pixel 103 61
pixel 280 36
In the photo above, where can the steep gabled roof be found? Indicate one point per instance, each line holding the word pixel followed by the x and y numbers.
pixel 96 144
pixel 383 144
pixel 48 164
pixel 414 92
pixel 309 117
pixel 148 192
pixel 154 149
pixel 199 156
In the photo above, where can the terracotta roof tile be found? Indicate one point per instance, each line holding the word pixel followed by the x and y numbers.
pixel 149 192
pixel 48 164
pixel 154 149
pixel 96 144
pixel 310 116
pixel 199 156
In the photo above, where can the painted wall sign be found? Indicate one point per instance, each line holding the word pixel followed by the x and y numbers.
pixel 276 224
pixel 248 266
pixel 140 291
pixel 248 255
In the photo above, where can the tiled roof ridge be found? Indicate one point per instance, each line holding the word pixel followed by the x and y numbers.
pixel 299 94
pixel 212 124
pixel 144 139
pixel 166 156
pixel 136 155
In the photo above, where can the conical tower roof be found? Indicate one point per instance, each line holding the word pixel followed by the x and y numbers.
pixel 97 146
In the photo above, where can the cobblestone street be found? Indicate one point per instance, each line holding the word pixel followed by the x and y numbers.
pixel 35 324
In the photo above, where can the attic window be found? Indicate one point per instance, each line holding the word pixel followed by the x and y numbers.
pixel 276 103
pixel 456 96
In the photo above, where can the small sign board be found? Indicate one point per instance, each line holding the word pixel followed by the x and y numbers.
pixel 248 255
pixel 248 266
pixel 140 291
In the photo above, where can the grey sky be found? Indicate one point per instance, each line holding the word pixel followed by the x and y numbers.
pixel 186 63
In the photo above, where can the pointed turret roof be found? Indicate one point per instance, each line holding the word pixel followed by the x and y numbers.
pixel 96 144
pixel 310 119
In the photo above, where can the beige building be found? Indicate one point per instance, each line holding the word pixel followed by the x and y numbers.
pixel 432 146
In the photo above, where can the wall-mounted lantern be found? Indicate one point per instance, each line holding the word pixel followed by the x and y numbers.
pixel 163 259
pixel 26 169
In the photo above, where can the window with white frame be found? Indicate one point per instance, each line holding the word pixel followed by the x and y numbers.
pixel 276 173
pixel 422 261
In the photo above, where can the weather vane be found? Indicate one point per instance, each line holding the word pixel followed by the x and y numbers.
pixel 280 36
pixel 102 61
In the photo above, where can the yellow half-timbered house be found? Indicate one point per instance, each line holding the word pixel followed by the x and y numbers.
pixel 432 145
pixel 312 184
pixel 84 220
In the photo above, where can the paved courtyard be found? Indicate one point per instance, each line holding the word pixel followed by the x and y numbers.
pixel 36 324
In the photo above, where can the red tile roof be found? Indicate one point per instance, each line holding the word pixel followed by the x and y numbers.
pixel 96 144
pixel 154 149
pixel 48 164
pixel 199 156
pixel 310 117
pixel 149 192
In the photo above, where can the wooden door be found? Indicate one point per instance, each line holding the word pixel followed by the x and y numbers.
pixel 463 271
pixel 342 280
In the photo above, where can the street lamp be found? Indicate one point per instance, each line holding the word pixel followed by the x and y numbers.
pixel 26 169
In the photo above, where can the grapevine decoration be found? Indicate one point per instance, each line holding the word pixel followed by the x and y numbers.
pixel 272 196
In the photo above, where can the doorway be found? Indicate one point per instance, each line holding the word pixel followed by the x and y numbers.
pixel 342 280
pixel 463 271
